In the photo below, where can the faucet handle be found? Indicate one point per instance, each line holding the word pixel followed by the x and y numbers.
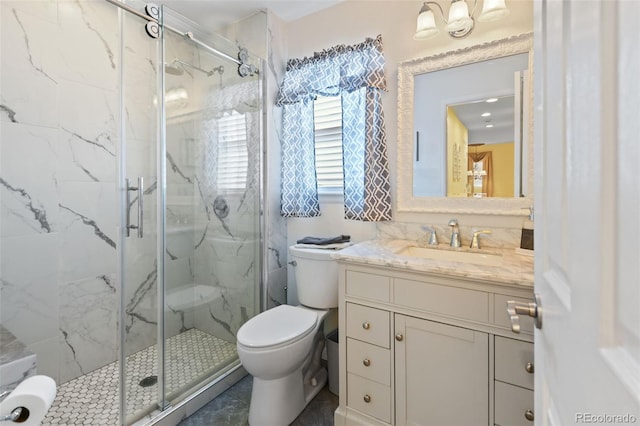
pixel 475 240
pixel 433 237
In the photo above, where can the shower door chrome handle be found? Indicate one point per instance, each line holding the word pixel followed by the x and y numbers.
pixel 140 206
pixel 140 189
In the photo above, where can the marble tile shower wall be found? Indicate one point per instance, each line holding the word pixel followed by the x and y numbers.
pixel 276 224
pixel 213 231
pixel 59 106
pixel 263 35
pixel 58 182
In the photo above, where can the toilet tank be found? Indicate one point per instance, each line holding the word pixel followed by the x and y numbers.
pixel 316 277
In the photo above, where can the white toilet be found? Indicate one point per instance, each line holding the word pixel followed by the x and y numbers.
pixel 281 347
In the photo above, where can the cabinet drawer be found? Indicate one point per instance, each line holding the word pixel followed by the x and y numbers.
pixel 511 359
pixel 368 324
pixel 360 390
pixel 501 318
pixel 512 404
pixel 458 302
pixel 369 361
pixel 368 286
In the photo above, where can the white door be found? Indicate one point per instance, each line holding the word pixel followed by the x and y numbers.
pixel 587 265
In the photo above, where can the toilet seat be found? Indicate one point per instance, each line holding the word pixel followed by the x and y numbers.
pixel 281 325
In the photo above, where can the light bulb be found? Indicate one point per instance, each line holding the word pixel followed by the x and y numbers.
pixel 458 16
pixel 426 25
pixel 492 10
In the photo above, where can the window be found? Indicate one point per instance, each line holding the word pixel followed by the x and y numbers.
pixel 327 113
pixel 232 152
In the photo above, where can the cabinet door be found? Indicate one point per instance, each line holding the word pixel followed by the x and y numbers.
pixel 442 374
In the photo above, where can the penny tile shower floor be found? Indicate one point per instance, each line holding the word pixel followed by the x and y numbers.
pixel 92 399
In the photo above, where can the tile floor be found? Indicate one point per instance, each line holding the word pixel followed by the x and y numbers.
pixel 92 399
pixel 232 408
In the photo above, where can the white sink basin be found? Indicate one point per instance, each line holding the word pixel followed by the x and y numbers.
pixel 454 255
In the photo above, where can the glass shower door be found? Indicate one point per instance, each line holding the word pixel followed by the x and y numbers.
pixel 189 168
pixel 212 240
pixel 138 198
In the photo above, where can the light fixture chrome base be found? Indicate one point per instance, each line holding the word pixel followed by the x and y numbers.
pixel 463 32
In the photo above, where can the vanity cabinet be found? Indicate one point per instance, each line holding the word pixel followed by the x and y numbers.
pixel 441 373
pixel 426 349
pixel 513 384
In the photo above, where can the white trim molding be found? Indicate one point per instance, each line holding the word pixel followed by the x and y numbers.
pixel 405 200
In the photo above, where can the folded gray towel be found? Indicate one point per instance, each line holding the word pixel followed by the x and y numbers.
pixel 320 241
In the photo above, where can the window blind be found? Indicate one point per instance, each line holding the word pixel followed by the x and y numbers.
pixel 232 152
pixel 327 112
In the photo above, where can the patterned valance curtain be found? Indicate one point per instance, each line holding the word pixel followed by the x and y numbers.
pixel 356 73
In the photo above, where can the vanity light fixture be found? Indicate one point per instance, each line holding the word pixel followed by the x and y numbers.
pixel 460 22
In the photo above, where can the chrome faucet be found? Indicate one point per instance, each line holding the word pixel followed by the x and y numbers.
pixel 455 233
pixel 433 237
pixel 475 239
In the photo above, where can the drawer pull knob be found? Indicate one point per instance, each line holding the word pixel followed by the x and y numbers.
pixel 366 362
pixel 399 337
pixel 529 367
pixel 367 399
pixel 366 325
pixel 528 415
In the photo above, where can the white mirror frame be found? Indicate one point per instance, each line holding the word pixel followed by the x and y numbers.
pixel 406 202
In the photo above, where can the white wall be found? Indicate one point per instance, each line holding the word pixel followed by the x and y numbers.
pixel 351 22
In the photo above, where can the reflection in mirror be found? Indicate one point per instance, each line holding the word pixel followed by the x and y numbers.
pixel 431 148
pixel 468 129
pixel 481 159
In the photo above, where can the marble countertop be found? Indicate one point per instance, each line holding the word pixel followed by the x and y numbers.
pixel 514 269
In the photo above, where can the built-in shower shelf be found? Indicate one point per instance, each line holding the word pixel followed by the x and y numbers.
pixel 17 362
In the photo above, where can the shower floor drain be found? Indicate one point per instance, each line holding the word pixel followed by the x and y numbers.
pixel 148 381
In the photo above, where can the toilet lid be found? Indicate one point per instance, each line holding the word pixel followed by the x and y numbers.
pixel 276 326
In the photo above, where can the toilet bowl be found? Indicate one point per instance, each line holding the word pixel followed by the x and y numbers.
pixel 282 347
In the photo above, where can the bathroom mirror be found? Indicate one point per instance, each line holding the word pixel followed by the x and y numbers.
pixel 437 167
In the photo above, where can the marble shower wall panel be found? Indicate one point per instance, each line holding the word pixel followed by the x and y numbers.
pixel 179 245
pixel 180 237
pixel 141 295
pixel 88 230
pixel 276 224
pixel 59 95
pixel 223 316
pixel 141 99
pixel 179 317
pixel 229 267
pixel 227 253
pixel 86 150
pixel 88 320
pixel 29 29
pixel 29 266
pixel 88 48
pixel 181 179
pixel 28 180
pixel 225 262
